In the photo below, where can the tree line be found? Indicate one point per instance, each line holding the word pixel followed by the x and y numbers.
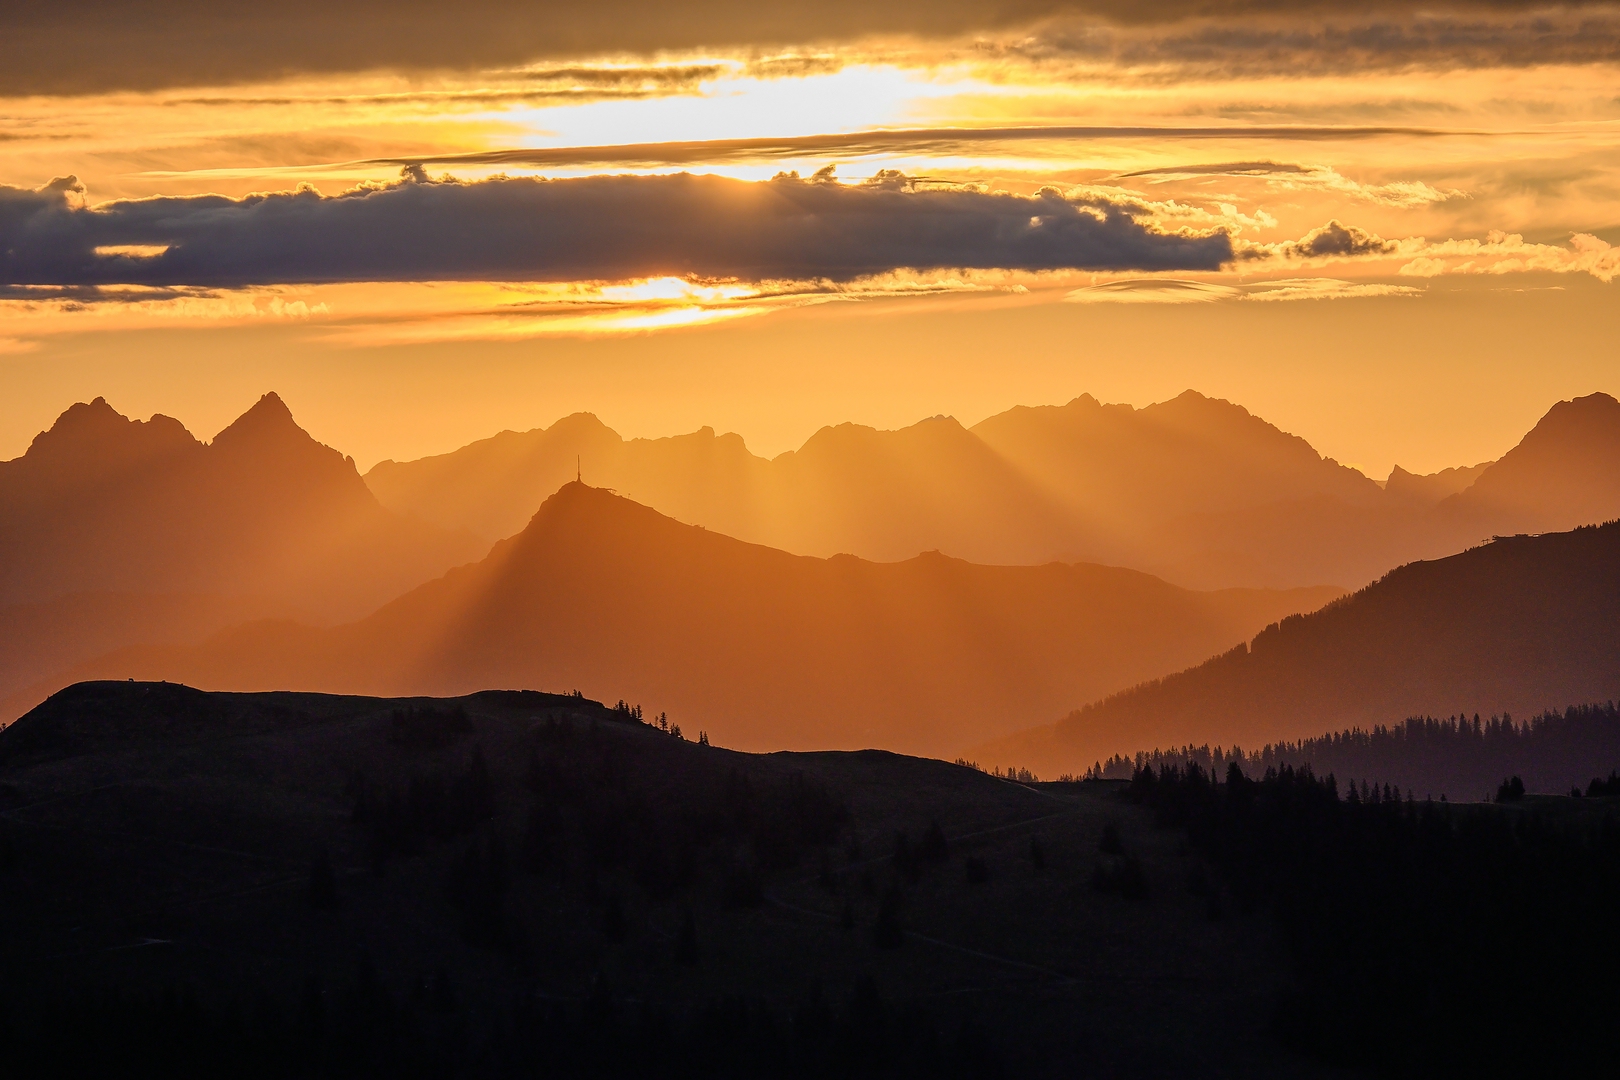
pixel 1424 938
pixel 1459 757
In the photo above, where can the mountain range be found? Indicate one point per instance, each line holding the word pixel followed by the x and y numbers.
pixel 115 530
pixel 753 602
pixel 761 648
pixel 1195 489
pixel 1520 625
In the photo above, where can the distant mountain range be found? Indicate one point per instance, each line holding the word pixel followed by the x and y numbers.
pixel 1194 489
pixel 115 531
pixel 1519 625
pixel 135 539
pixel 762 648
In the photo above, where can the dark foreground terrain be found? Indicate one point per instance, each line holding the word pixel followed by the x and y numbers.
pixel 523 884
pixel 514 883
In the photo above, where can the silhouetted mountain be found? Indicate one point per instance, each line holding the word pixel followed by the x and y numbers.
pixel 492 486
pixel 1189 455
pixel 1198 490
pixel 763 648
pixel 1433 487
pixel 101 502
pixel 850 489
pixel 1194 489
pixel 262 520
pixel 1564 473
pixel 1084 480
pixel 1520 625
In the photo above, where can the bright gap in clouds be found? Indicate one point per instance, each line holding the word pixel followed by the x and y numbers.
pixel 856 97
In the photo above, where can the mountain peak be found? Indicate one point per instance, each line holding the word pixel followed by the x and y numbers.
pixel 1565 472
pixel 269 409
pixel 579 424
pixel 88 432
pixel 1581 426
pixel 594 516
pixel 97 415
pixel 1583 414
pixel 80 426
pixel 1213 406
pixel 269 418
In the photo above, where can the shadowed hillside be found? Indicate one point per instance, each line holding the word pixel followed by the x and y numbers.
pixel 295 885
pixel 770 650
pixel 1194 489
pixel 1520 625
pixel 284 885
pixel 115 531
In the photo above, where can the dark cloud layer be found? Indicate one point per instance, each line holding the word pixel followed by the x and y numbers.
pixel 1342 39
pixel 596 228
pixel 96 45
pixel 92 45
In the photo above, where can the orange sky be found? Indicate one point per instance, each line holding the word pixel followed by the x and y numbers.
pixel 1418 211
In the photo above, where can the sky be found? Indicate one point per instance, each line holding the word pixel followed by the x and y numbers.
pixel 1392 230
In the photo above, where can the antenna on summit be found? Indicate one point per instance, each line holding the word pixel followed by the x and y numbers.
pixel 578 470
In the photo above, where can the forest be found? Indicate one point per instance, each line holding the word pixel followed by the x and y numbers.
pixel 1425 939
pixel 1460 758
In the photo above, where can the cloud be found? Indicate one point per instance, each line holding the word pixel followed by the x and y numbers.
pixel 1238 40
pixel 911 141
pixel 1336 241
pixel 1510 253
pixel 539 84
pixel 1172 291
pixel 1405 194
pixel 593 228
pixel 84 295
pixel 1331 241
pixel 99 45
pixel 1153 291
pixel 936 142
pixel 1322 289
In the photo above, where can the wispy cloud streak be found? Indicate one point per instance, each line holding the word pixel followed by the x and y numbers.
pixel 913 141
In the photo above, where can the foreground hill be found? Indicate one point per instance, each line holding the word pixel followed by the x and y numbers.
pixel 1520 625
pixel 115 531
pixel 522 884
pixel 519 884
pixel 1194 489
pixel 765 649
